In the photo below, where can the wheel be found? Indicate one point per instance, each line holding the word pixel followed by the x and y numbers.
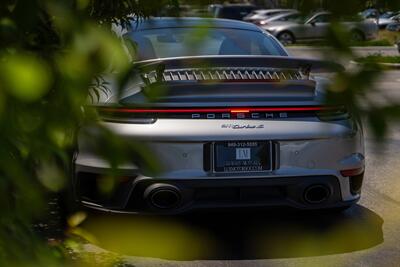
pixel 286 38
pixel 357 36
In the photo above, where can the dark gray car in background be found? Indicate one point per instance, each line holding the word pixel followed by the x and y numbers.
pixel 233 11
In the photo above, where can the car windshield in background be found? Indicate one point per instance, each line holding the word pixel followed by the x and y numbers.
pixel 323 17
pixel 182 42
pixel 387 15
pixel 292 18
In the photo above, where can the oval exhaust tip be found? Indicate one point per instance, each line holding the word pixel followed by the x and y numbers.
pixel 316 194
pixel 163 196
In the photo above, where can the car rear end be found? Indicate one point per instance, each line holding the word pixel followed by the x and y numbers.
pixel 244 131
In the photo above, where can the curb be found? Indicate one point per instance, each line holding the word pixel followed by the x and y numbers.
pixel 394 66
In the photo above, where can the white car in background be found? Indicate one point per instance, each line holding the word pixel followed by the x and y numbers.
pixel 387 18
pixel 292 27
pixel 262 14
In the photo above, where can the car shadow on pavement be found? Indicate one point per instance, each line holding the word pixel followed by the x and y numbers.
pixel 238 235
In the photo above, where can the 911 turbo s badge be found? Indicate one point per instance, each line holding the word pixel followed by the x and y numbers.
pixel 242 126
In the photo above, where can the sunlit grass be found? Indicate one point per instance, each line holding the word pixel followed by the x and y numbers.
pixel 392 37
pixel 161 237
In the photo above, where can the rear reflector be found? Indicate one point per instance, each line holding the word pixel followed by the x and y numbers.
pixel 351 172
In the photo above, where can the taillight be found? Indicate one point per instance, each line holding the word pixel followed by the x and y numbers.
pixel 150 115
pixel 113 115
pixel 352 172
pixel 213 110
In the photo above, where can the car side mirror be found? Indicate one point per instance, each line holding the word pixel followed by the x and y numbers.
pixel 313 23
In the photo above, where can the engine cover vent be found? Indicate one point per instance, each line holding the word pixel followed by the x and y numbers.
pixel 227 75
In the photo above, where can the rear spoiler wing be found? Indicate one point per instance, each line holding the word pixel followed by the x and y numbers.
pixel 304 65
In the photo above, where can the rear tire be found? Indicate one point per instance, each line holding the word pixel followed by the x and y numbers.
pixel 286 38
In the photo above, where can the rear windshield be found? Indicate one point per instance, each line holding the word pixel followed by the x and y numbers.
pixel 181 42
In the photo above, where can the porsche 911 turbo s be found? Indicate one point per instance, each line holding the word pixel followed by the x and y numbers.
pixel 242 124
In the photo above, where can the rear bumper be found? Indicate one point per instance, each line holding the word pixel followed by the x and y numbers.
pixel 307 153
pixel 133 195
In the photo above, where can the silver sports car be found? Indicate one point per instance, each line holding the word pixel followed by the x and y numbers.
pixel 242 124
pixel 293 27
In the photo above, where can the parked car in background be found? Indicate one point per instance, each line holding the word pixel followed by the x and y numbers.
pixel 290 28
pixel 370 13
pixel 234 11
pixel 395 25
pixel 213 8
pixel 387 18
pixel 261 14
pixel 289 16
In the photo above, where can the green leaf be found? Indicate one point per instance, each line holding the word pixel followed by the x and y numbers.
pixel 76 219
pixel 25 77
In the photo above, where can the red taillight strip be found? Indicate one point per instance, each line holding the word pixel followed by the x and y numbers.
pixel 352 172
pixel 216 110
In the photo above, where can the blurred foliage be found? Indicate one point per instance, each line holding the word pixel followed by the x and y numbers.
pixel 50 54
pixel 381 42
pixel 357 88
pixel 392 37
pixel 378 58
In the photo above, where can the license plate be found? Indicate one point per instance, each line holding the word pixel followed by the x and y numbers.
pixel 243 156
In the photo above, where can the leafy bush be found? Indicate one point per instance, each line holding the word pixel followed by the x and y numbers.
pixel 50 53
pixel 379 59
pixel 379 42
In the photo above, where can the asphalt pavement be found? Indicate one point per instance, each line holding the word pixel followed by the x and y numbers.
pixel 368 234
